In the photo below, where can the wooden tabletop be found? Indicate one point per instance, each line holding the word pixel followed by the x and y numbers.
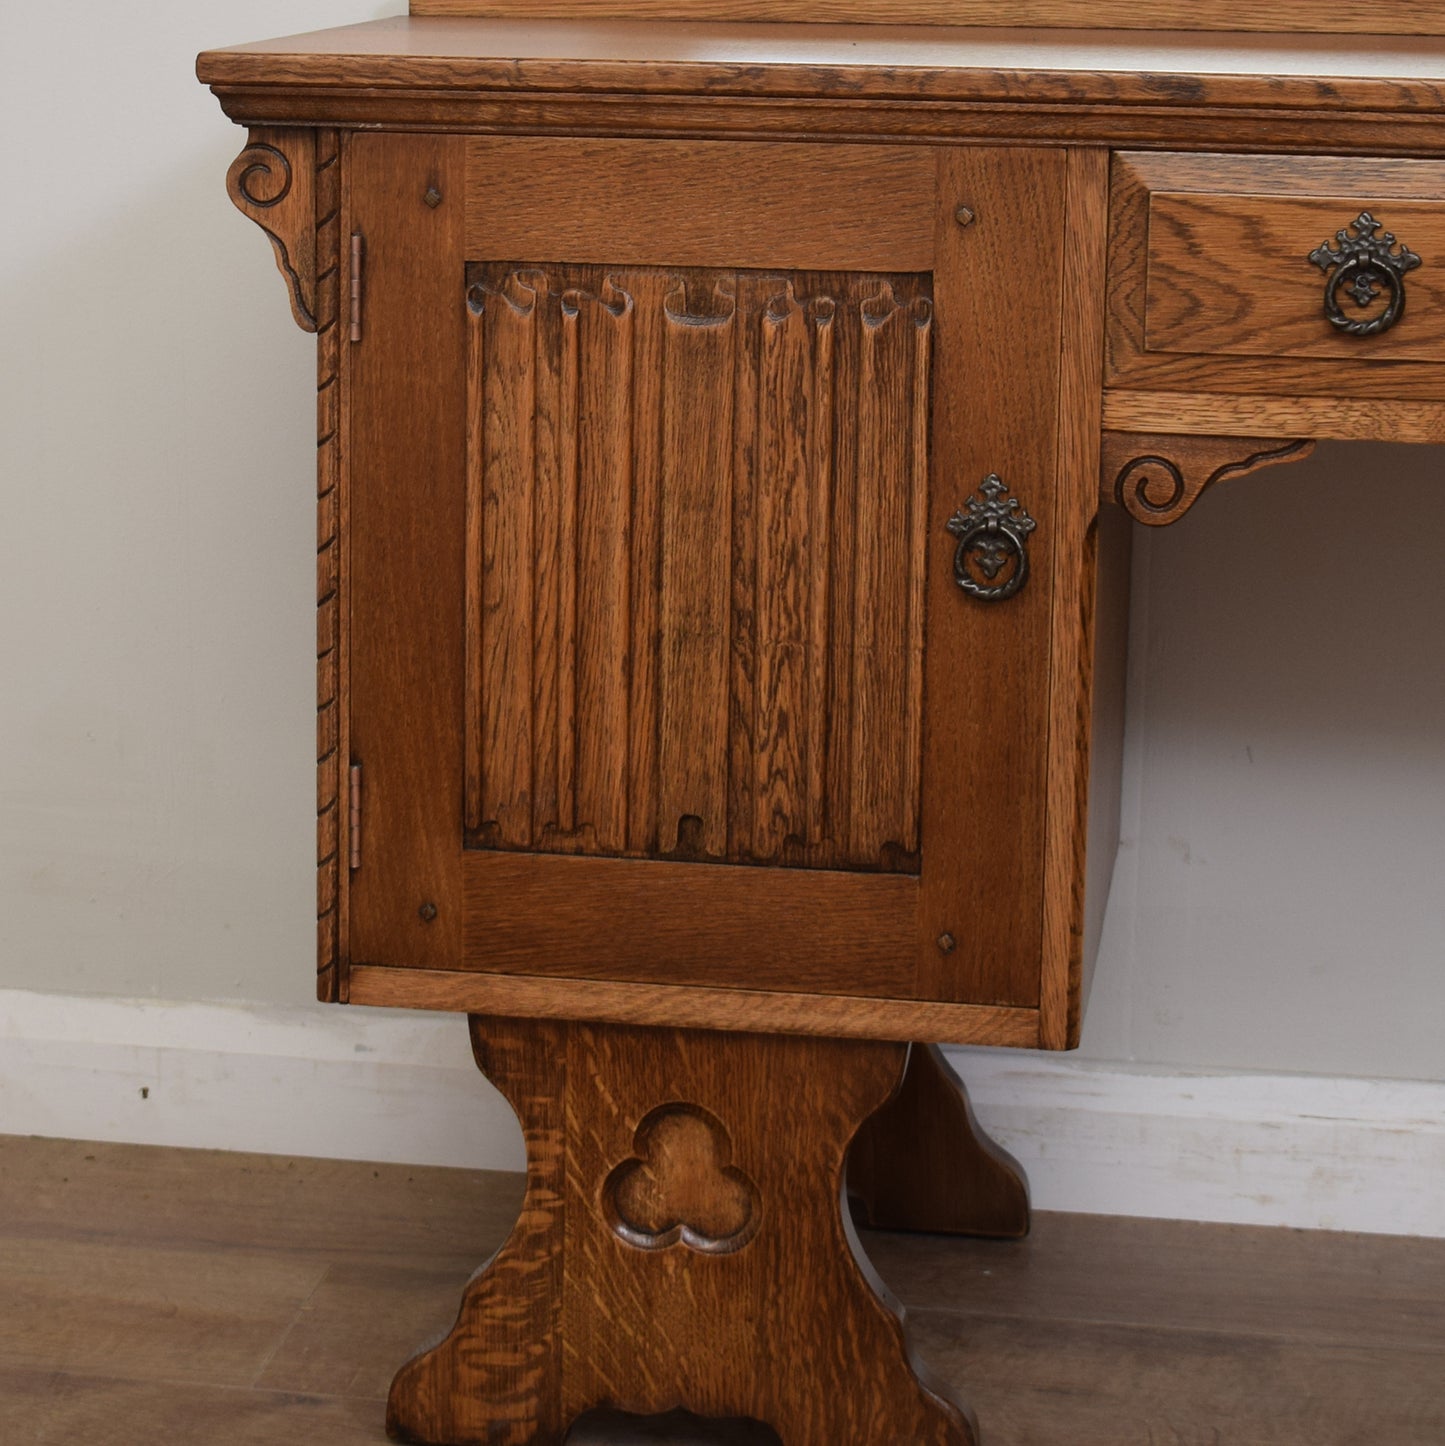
pixel 858 61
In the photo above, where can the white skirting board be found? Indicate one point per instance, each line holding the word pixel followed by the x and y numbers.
pixel 1339 1154
pixel 1253 1149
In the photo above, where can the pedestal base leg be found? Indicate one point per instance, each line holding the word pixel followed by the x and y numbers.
pixel 682 1244
pixel 923 1163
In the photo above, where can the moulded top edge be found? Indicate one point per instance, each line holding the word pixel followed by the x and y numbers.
pixel 856 61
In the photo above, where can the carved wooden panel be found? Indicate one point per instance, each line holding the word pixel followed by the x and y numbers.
pixel 696 507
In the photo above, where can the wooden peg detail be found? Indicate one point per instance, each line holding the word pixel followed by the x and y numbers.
pixel 273 181
pixel 681 1246
pixel 1157 477
pixel 923 1162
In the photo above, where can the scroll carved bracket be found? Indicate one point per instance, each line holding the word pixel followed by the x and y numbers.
pixel 1158 477
pixel 273 182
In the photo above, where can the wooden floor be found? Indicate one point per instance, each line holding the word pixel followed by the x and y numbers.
pixel 155 1297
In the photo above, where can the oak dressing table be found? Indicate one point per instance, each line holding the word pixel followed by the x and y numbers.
pixel 729 440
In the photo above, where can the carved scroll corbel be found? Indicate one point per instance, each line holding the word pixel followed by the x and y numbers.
pixel 1158 477
pixel 274 182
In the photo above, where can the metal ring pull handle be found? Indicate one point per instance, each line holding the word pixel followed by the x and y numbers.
pixel 1359 266
pixel 992 543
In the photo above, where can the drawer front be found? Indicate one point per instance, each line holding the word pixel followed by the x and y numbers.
pixel 1278 274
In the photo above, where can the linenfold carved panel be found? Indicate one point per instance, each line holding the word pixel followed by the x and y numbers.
pixel 696 514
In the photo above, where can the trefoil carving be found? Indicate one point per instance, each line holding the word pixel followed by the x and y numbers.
pixel 681 1187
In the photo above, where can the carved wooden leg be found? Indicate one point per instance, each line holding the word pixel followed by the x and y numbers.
pixel 682 1244
pixel 923 1163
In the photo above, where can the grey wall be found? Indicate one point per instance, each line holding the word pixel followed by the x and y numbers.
pixel 1278 904
pixel 157 626
pixel 1280 898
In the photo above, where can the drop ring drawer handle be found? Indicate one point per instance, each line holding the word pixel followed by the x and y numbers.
pixel 991 560
pixel 1360 266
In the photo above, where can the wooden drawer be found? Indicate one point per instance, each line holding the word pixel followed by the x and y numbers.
pixel 1223 270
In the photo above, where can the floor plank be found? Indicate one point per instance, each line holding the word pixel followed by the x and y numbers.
pixel 80 1189
pixel 155 1296
pixel 363 1321
pixel 1297 1284
pixel 147 1313
pixel 1036 1383
pixel 51 1408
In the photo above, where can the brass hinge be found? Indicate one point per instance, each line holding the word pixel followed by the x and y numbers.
pixel 355 830
pixel 356 286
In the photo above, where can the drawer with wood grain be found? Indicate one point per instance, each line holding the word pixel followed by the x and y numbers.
pixel 1279 275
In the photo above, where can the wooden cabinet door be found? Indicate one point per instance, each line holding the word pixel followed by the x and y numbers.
pixel 659 671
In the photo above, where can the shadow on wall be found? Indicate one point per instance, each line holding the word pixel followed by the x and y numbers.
pixel 1310 601
pixel 1278 904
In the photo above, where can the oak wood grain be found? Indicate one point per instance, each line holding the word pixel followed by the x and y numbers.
pixel 273 182
pixel 688 1184
pixel 499 1375
pixel 1157 478
pixel 892 59
pixel 1323 418
pixel 987 664
pixel 767 702
pixel 1382 17
pixel 408 546
pixel 738 1008
pixel 772 709
pixel 566 103
pixel 923 1162
pixel 1194 306
pixel 690 203
pixel 1072 657
pixel 1274 308
pixel 578 77
pixel 655 921
pixel 662 696
pixel 695 453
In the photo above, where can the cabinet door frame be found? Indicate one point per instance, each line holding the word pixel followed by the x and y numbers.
pixel 416 901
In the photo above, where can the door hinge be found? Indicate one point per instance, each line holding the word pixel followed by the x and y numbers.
pixel 355 813
pixel 356 252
